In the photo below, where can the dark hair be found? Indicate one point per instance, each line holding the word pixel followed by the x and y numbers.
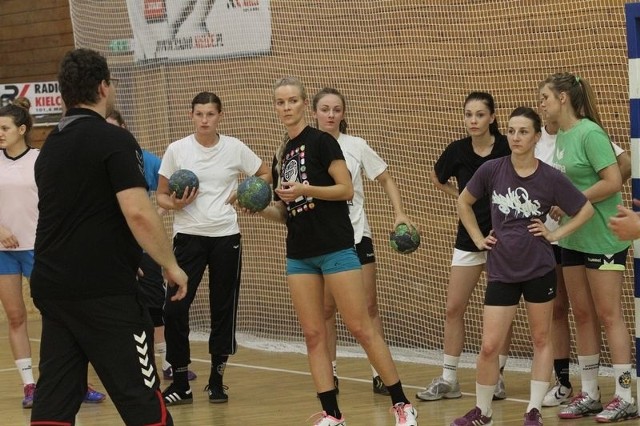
pixel 115 114
pixel 81 73
pixel 204 98
pixel 18 110
pixel 580 92
pixel 529 113
pixel 331 91
pixel 488 101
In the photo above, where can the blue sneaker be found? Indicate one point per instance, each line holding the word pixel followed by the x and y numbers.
pixel 93 396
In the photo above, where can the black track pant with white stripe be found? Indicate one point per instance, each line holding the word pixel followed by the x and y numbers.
pixel 115 335
pixel 223 257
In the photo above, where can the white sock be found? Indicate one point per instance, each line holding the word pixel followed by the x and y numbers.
pixel 450 368
pixel 589 365
pixel 334 365
pixel 502 359
pixel 537 392
pixel 484 396
pixel 25 370
pixel 622 375
pixel 374 373
pixel 161 349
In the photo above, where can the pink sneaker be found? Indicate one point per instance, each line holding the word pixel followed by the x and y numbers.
pixel 29 390
pixel 405 414
pixel 472 418
pixel 533 418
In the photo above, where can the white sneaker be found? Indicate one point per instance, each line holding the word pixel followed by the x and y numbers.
pixel 438 389
pixel 618 410
pixel 405 414
pixel 327 420
pixel 557 395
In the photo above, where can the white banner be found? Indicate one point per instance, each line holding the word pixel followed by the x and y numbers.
pixel 191 29
pixel 44 96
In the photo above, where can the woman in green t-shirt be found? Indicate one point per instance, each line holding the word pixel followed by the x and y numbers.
pixel 593 259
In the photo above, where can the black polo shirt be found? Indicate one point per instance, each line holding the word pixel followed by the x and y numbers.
pixel 84 248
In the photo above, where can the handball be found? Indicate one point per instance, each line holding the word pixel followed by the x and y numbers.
pixel 254 194
pixel 181 179
pixel 404 239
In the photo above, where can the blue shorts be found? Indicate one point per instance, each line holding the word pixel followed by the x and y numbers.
pixel 16 262
pixel 330 263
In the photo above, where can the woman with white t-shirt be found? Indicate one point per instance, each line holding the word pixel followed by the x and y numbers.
pixel 205 234
pixel 329 107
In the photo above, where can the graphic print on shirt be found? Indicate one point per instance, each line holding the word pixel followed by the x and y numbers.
pixel 516 202
pixel 294 169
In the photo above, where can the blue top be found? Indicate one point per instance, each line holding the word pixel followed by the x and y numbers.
pixel 151 167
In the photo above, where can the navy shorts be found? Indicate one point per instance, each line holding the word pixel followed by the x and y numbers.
pixel 537 290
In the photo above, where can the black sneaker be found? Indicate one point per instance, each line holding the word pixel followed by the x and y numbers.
pixel 217 394
pixel 335 383
pixel 174 396
pixel 379 387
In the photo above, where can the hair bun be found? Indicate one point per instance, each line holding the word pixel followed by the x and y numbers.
pixel 22 102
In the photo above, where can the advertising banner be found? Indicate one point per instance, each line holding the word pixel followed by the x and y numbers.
pixel 192 29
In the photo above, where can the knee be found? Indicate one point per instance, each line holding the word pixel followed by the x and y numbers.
pixel 329 312
pixel 455 312
pixel 372 308
pixel 541 340
pixel 583 316
pixel 560 311
pixel 489 350
pixel 610 317
pixel 314 337
pixel 16 318
pixel 362 333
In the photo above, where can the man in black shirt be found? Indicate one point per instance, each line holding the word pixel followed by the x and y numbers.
pixel 95 215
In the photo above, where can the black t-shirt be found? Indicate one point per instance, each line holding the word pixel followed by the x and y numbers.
pixel 314 227
pixel 84 248
pixel 460 161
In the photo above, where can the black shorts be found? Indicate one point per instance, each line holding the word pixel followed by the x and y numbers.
pixel 603 262
pixel 365 251
pixel 537 290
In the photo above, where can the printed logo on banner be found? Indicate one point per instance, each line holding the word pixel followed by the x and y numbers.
pixel 44 96
pixel 155 11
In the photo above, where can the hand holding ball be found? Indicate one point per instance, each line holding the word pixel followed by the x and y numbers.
pixel 404 239
pixel 180 180
pixel 254 194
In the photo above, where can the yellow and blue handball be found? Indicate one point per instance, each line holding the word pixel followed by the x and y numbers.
pixel 404 239
pixel 180 180
pixel 254 194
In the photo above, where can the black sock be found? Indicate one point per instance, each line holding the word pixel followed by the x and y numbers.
pixel 180 378
pixel 218 364
pixel 329 403
pixel 561 367
pixel 397 394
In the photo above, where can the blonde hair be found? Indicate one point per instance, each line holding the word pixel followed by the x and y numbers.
pixel 580 92
pixel 286 81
